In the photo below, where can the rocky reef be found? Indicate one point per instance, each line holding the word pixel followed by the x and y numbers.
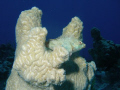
pixel 6 61
pixel 106 55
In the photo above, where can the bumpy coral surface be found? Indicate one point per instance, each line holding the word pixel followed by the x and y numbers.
pixel 71 38
pixel 37 67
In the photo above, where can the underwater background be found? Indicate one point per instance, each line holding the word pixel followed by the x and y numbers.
pixel 102 14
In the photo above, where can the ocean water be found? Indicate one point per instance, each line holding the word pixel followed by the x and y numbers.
pixel 103 14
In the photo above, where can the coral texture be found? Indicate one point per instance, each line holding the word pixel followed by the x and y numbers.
pixel 38 66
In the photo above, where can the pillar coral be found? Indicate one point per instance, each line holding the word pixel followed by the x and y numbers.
pixel 38 66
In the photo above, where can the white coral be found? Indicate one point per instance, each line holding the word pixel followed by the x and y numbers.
pixel 37 67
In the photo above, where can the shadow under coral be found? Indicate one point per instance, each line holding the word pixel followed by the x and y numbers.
pixel 70 67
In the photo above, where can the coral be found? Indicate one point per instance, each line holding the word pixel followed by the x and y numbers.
pixel 79 75
pixel 71 38
pixel 38 66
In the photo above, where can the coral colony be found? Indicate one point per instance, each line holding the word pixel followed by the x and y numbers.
pixel 38 66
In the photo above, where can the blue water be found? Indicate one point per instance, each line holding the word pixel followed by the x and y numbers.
pixel 103 14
